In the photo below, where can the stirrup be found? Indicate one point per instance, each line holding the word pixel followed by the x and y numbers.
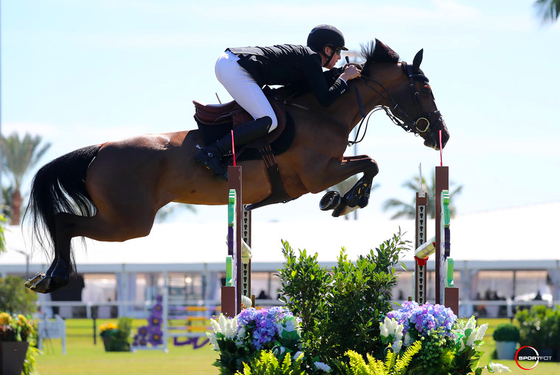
pixel 212 163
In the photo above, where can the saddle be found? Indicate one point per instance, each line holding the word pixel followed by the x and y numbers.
pixel 232 115
pixel 215 120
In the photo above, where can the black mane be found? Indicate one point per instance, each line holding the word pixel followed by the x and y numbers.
pixel 376 51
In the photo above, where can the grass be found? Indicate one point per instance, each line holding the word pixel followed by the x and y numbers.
pixel 85 358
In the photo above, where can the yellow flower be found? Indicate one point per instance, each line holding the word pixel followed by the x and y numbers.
pixel 108 326
pixel 5 319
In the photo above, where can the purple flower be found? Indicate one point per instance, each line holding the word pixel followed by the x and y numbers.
pixel 156 337
pixel 157 310
pixel 426 320
pixel 261 325
pixel 143 331
pixel 154 320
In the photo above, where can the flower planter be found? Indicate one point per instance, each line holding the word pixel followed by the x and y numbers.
pixel 12 356
pixel 506 349
pixel 115 346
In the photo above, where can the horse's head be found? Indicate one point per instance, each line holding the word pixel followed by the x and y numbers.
pixel 406 95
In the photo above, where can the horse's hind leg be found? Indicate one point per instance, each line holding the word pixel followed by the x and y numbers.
pixel 98 227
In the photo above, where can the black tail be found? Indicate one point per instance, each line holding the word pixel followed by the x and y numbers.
pixel 60 186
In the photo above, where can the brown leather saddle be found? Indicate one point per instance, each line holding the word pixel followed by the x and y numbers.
pixel 222 117
pixel 232 113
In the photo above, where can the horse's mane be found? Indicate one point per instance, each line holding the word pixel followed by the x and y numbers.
pixel 376 51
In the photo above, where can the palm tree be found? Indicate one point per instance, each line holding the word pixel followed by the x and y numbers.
pixel 20 156
pixel 408 211
pixel 548 9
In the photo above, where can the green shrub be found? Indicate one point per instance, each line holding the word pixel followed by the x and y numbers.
pixel 506 332
pixel 539 327
pixel 341 309
pixel 15 298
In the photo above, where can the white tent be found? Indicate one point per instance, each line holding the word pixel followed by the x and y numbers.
pixel 500 239
pixel 513 239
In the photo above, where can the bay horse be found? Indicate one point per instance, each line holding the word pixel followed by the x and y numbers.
pixel 112 191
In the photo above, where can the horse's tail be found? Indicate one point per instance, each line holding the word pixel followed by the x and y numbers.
pixel 60 186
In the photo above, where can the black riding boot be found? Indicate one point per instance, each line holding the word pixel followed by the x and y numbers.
pixel 210 156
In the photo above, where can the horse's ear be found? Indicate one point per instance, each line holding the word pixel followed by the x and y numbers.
pixel 417 61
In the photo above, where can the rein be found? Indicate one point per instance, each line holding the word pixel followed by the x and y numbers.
pixel 410 125
pixel 287 102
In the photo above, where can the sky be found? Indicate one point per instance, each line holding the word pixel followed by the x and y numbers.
pixel 85 72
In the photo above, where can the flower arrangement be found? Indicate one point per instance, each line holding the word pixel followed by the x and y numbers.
pixel 16 328
pixel 152 333
pixel 448 345
pixel 116 337
pixel 21 331
pixel 242 339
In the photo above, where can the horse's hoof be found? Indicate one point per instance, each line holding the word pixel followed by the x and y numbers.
pixel 48 284
pixel 358 195
pixel 57 277
pixel 42 285
pixel 363 202
pixel 29 283
pixel 330 201
pixel 339 210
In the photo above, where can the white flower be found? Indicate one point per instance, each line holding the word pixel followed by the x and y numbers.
pixel 228 326
pixel 240 336
pixel 408 340
pixel 497 367
pixel 397 346
pixel 482 331
pixel 399 331
pixel 384 331
pixel 225 326
pixel 322 366
pixel 297 355
pixel 391 327
pixel 213 340
pixel 462 345
pixel 477 334
pixel 471 323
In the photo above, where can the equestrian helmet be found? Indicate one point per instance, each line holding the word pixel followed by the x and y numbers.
pixel 325 35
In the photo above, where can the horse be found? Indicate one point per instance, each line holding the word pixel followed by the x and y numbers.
pixel 112 191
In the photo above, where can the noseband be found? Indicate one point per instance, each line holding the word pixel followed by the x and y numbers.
pixel 409 124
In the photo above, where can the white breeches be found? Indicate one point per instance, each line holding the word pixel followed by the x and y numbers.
pixel 243 88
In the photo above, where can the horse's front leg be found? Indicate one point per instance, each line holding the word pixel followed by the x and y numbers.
pixel 339 170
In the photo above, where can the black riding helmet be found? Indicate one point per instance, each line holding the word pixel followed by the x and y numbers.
pixel 326 35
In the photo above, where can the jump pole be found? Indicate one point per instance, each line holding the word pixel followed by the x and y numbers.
pixel 440 244
pixel 238 267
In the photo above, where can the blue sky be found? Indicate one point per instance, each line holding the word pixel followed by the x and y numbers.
pixel 80 73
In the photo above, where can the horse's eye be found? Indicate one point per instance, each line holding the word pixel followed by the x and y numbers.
pixel 426 90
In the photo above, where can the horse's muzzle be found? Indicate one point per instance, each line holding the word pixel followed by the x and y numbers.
pixel 432 139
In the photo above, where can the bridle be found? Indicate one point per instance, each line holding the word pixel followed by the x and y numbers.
pixel 394 111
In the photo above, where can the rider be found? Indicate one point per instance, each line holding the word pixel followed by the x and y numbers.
pixel 244 71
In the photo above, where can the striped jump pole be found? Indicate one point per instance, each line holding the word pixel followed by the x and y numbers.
pixel 440 244
pixel 238 262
